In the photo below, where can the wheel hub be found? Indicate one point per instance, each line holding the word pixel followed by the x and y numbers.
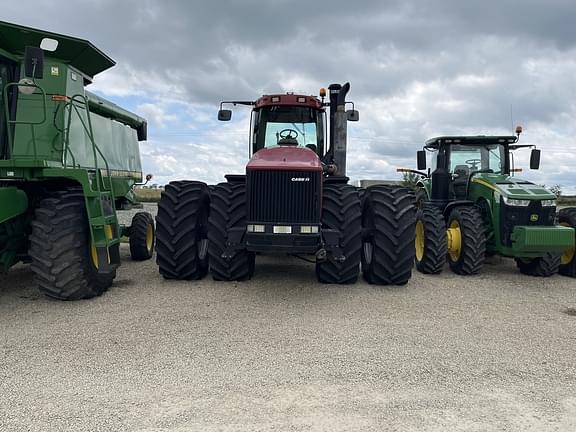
pixel 94 256
pixel 202 248
pixel 149 237
pixel 569 253
pixel 420 239
pixel 454 237
pixel 368 252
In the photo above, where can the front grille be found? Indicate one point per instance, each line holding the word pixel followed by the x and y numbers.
pixel 514 216
pixel 284 196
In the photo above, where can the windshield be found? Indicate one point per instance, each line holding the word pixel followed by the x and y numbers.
pixel 300 123
pixel 488 158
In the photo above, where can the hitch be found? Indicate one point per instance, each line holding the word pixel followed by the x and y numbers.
pixel 331 249
pixel 233 243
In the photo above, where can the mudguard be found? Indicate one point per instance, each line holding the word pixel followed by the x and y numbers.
pixel 13 202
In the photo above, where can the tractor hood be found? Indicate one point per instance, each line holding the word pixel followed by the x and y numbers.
pixel 285 158
pixel 513 187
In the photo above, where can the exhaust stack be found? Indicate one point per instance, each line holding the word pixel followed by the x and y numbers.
pixel 339 128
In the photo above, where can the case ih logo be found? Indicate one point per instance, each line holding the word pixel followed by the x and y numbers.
pixel 300 179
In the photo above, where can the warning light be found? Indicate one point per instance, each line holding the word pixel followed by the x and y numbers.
pixel 322 92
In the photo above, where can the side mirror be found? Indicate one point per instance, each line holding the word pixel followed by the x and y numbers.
pixel 352 115
pixel 34 62
pixel 142 131
pixel 535 159
pixel 224 115
pixel 421 160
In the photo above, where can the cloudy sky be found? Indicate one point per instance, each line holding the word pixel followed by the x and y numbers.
pixel 417 68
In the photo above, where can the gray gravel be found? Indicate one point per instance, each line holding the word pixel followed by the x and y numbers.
pixel 125 217
pixel 282 352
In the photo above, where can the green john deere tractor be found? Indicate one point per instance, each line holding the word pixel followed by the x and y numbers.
pixel 470 205
pixel 68 161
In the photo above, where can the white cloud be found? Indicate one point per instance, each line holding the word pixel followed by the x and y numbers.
pixel 417 69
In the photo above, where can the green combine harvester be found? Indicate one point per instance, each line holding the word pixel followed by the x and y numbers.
pixel 471 205
pixel 68 161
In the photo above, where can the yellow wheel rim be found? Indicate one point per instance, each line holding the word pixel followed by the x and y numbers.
pixel 454 236
pixel 569 253
pixel 149 237
pixel 420 239
pixel 94 255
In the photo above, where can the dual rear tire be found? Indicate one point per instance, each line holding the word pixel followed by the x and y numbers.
pixel 461 240
pixel 388 222
pixel 192 231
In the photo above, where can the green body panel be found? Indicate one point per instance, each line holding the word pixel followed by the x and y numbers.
pixel 61 136
pixel 535 238
pixel 487 190
pixel 14 202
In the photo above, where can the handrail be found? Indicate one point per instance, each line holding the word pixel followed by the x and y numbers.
pixel 23 122
pixel 87 126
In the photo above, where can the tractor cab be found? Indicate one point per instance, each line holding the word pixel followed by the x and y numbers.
pixel 463 158
pixel 288 120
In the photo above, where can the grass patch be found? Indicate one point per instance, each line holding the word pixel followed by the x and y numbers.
pixel 148 195
pixel 567 200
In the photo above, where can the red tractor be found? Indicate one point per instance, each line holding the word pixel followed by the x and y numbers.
pixel 293 199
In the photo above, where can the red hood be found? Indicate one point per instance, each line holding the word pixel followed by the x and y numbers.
pixel 285 159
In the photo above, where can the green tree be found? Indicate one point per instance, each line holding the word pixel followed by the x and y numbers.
pixel 409 179
pixel 556 190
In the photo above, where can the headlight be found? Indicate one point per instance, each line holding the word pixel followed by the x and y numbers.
pixel 516 202
pixel 548 203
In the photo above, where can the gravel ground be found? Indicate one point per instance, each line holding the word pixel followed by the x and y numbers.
pixel 282 352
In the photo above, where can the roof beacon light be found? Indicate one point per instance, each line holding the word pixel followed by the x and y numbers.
pixel 322 92
pixel 518 131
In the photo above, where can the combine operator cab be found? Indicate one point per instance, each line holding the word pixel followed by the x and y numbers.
pixel 471 205
pixel 294 198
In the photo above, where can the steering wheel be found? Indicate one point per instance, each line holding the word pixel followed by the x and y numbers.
pixel 288 134
pixel 474 163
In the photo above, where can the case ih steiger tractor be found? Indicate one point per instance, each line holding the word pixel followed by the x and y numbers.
pixel 68 161
pixel 471 206
pixel 293 199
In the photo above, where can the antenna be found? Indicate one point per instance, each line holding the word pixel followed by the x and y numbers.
pixel 511 118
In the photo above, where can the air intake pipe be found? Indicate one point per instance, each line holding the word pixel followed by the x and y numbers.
pixel 339 129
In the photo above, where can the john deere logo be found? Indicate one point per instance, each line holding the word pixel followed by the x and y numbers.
pixel 534 218
pixel 300 179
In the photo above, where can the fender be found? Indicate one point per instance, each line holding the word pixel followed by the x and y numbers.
pixel 14 203
pixel 455 204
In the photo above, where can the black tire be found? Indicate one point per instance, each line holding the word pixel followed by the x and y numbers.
pixel 431 253
pixel 60 248
pixel 545 266
pixel 341 211
pixel 421 197
pixel 389 223
pixel 142 236
pixel 567 217
pixel 473 240
pixel 181 230
pixel 361 195
pixel 228 210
